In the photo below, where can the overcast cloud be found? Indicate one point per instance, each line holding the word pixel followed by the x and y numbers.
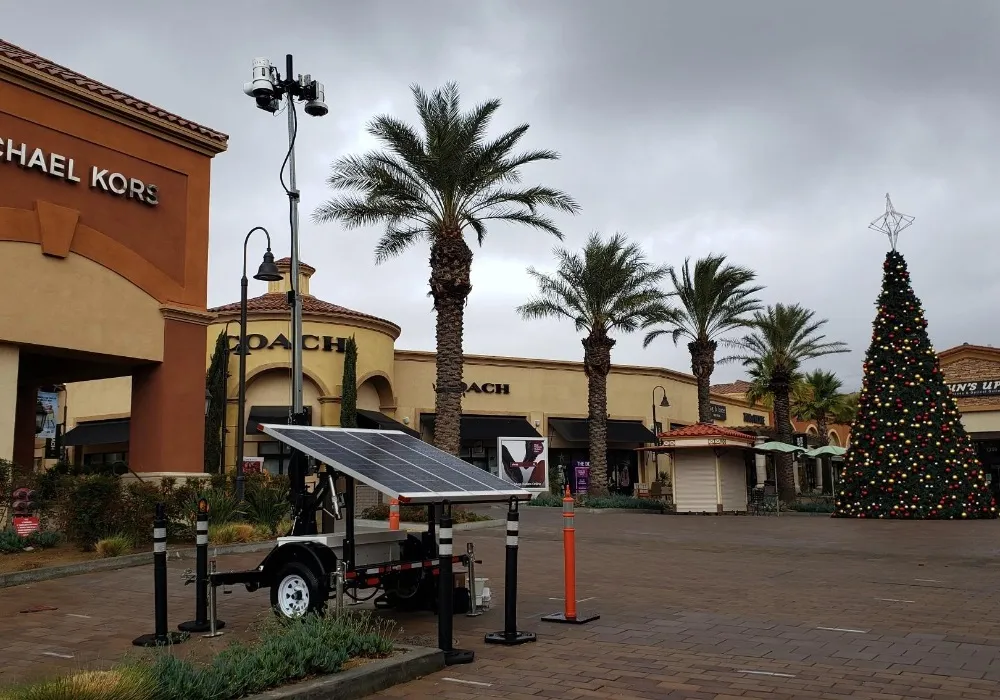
pixel 769 131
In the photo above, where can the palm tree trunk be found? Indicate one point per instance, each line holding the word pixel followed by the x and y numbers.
pixel 451 265
pixel 597 365
pixel 782 417
pixel 702 366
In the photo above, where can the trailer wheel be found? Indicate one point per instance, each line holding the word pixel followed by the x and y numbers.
pixel 296 591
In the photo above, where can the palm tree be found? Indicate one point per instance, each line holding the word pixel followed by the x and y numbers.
pixel 609 288
pixel 822 401
pixel 715 300
pixel 437 184
pixel 783 337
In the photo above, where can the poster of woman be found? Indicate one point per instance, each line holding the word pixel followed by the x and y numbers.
pixel 524 461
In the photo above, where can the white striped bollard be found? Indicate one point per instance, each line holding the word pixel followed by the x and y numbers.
pixel 510 635
pixel 446 594
pixel 161 636
pixel 201 621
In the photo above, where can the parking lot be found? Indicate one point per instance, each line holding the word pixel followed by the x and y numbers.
pixel 691 607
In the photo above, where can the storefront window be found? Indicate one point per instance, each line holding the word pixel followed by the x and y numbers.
pixel 276 456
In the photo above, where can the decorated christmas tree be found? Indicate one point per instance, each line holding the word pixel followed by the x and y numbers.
pixel 910 456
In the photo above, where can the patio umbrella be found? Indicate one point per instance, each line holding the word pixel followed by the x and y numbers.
pixel 827 451
pixel 775 446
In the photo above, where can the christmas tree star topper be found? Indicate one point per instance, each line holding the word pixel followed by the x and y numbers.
pixel 891 222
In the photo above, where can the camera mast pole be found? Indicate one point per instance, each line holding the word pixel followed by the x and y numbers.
pixel 294 298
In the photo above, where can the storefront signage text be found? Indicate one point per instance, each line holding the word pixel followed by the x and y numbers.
pixel 63 168
pixel 989 387
pixel 755 418
pixel 718 411
pixel 487 388
pixel 256 341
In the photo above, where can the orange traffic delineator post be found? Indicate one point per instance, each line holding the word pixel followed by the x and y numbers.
pixel 570 615
pixel 394 514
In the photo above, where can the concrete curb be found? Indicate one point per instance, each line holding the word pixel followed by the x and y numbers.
pixel 422 527
pixel 364 680
pixel 18 578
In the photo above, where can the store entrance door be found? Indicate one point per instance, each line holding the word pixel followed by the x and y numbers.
pixel 989 455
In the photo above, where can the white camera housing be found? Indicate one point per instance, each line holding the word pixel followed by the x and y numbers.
pixel 262 84
pixel 316 107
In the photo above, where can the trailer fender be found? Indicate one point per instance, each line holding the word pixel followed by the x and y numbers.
pixel 321 560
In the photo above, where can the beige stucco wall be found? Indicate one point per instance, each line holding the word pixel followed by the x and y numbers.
pixel 78 294
pixel 98 400
pixel 9 355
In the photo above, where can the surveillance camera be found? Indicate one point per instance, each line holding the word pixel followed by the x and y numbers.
pixel 316 106
pixel 262 84
pixel 268 103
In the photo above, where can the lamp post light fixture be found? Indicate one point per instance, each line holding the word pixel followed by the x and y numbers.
pixel 267 272
pixel 665 403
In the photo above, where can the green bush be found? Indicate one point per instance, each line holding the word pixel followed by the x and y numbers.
pixel 613 501
pixel 812 506
pixel 114 546
pixel 222 507
pixel 91 509
pixel 285 652
pixel 418 514
pixel 11 542
pixel 123 683
pixel 44 539
pixel 266 502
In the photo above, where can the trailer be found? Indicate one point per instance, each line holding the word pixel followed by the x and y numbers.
pixel 393 568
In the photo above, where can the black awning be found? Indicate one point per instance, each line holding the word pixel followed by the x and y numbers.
pixel 575 430
pixel 271 414
pixel 98 432
pixel 373 420
pixel 489 427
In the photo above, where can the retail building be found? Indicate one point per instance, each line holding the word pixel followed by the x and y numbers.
pixel 505 397
pixel 104 204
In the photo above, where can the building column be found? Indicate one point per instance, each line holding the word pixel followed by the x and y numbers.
pixel 9 356
pixel 167 431
pixel 24 425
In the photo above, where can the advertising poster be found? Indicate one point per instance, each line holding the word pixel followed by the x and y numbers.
pixel 581 477
pixel 253 465
pixel 525 462
pixel 49 401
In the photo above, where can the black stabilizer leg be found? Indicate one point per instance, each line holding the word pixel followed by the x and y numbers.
pixel 446 596
pixel 161 637
pixel 510 635
pixel 201 622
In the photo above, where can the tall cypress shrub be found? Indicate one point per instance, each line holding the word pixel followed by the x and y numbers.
pixel 349 392
pixel 215 418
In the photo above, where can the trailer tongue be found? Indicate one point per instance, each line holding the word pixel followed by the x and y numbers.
pixel 307 567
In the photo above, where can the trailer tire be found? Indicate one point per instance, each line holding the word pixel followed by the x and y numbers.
pixel 297 591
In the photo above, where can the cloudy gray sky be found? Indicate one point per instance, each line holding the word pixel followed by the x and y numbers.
pixel 767 130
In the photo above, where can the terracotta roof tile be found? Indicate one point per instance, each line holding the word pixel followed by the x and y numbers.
pixel 705 430
pixel 24 57
pixel 277 301
pixel 738 387
pixel 303 267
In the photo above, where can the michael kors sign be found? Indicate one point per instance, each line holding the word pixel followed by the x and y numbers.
pixel 63 168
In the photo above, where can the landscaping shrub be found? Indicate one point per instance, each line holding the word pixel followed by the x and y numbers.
pixel 11 542
pixel 612 501
pixel 285 652
pixel 44 539
pixel 91 509
pixel 266 502
pixel 123 683
pixel 418 514
pixel 232 533
pixel 821 506
pixel 222 507
pixel 114 546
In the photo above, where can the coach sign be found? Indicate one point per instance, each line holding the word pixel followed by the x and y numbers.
pixel 67 169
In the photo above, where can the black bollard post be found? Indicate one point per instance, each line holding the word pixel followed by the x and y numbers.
pixel 161 637
pixel 201 621
pixel 510 635
pixel 446 595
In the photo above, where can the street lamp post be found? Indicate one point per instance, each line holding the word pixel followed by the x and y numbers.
pixel 664 403
pixel 267 272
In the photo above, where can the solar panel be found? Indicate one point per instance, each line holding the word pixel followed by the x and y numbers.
pixel 397 464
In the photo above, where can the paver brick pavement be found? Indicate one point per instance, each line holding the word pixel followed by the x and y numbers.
pixel 691 607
